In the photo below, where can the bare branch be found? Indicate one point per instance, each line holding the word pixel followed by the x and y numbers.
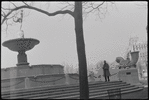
pixel 39 10
pixel 6 26
pixel 47 5
pixel 5 8
pixel 93 8
pixel 12 16
pixel 25 3
pixel 3 13
pixel 13 4
pixel 84 3
pixel 69 6
pixel 27 14
pixel 64 7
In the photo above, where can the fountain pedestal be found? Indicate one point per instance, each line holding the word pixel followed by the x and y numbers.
pixel 22 58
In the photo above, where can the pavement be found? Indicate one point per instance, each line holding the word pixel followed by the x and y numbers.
pixel 143 94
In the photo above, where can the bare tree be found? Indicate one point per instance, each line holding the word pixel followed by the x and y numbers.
pixel 77 10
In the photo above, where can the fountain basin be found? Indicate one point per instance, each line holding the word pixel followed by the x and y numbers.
pixel 20 44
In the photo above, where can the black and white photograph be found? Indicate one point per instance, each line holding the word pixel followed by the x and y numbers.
pixel 74 49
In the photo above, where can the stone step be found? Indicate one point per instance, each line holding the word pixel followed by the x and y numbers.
pixel 122 92
pixel 96 89
pixel 76 94
pixel 51 91
pixel 58 87
pixel 54 87
pixel 97 94
pixel 68 91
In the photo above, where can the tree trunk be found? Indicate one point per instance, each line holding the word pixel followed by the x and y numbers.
pixel 83 79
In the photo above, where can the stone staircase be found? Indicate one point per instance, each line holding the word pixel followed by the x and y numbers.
pixel 96 90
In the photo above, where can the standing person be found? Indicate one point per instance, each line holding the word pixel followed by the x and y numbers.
pixel 106 72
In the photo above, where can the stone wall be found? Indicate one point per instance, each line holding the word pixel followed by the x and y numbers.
pixel 33 70
pixel 72 78
pixel 12 84
pixel 44 80
pixel 38 81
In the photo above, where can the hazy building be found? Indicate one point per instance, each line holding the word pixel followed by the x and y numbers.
pixel 135 45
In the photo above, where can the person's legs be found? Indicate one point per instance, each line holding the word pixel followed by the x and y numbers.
pixel 105 78
pixel 108 78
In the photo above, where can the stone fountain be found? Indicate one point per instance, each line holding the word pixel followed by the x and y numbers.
pixel 21 45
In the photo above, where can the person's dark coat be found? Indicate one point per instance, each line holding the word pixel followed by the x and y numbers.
pixel 106 71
